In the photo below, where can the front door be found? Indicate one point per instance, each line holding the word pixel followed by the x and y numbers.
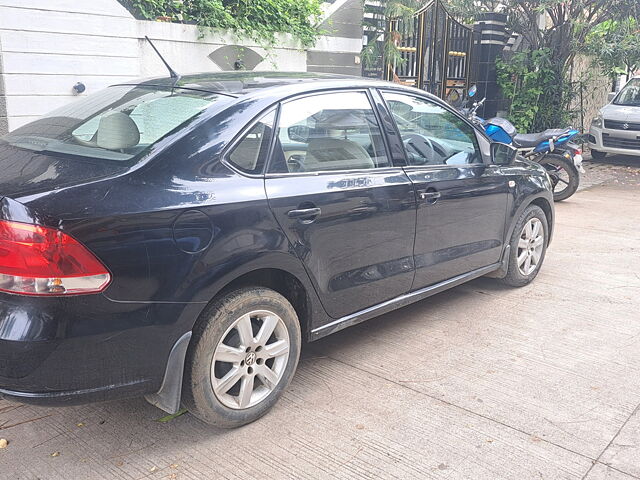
pixel 461 199
pixel 347 212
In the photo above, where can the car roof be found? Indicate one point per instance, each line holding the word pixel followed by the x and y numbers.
pixel 243 82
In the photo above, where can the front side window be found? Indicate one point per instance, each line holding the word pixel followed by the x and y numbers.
pixel 630 94
pixel 431 134
pixel 251 152
pixel 116 124
pixel 333 131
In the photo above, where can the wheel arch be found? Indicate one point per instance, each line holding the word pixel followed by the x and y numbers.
pixel 542 199
pixel 285 283
pixel 547 208
pixel 280 271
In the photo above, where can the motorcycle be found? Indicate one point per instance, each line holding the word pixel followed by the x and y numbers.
pixel 552 148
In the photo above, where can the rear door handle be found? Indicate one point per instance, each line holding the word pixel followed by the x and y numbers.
pixel 430 196
pixel 305 214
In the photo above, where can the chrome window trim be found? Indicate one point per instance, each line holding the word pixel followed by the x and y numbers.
pixel 359 171
pixel 443 166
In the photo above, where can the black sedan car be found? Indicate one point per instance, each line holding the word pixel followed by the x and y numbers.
pixel 179 239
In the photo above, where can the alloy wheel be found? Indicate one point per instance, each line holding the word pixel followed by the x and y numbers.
pixel 250 359
pixel 530 246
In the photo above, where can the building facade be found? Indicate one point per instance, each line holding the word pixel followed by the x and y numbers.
pixel 49 46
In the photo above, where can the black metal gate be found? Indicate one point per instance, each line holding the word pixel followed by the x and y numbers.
pixel 436 52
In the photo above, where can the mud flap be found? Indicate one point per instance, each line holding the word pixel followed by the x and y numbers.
pixel 169 395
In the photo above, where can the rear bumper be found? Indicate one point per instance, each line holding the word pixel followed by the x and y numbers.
pixel 77 397
pixel 64 351
pixel 619 142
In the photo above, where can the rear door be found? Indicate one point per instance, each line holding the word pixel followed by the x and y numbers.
pixel 348 213
pixel 461 198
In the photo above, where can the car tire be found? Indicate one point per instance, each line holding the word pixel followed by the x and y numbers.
pixel 598 155
pixel 232 373
pixel 519 271
pixel 554 164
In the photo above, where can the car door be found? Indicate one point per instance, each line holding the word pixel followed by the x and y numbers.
pixel 461 197
pixel 348 213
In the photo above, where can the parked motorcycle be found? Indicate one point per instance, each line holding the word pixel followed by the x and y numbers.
pixel 551 148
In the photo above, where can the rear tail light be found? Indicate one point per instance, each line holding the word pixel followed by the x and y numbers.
pixel 36 260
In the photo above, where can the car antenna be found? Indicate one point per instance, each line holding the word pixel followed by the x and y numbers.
pixel 172 72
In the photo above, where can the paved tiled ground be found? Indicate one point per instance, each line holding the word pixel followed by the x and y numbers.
pixel 481 382
pixel 616 170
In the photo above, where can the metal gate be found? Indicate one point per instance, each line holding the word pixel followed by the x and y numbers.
pixel 436 52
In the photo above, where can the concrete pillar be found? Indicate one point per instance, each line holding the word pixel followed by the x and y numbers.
pixel 493 39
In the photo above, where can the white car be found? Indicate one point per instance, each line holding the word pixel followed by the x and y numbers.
pixel 616 129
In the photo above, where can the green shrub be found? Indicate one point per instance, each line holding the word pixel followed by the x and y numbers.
pixel 532 83
pixel 260 20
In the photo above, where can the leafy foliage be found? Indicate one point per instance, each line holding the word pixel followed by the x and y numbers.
pixel 260 20
pixel 381 42
pixel 565 23
pixel 530 81
pixel 553 32
pixel 615 46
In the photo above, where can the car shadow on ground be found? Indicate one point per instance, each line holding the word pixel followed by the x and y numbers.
pixel 619 160
pixel 422 311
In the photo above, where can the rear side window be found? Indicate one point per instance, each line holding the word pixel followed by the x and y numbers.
pixel 325 132
pixel 250 153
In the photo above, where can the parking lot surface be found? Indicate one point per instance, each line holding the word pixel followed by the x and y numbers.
pixel 480 382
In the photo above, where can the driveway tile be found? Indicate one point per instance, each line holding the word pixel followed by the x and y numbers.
pixel 602 472
pixel 624 451
pixel 335 422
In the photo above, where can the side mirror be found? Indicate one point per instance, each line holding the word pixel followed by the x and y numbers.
pixel 502 154
pixel 611 96
pixel 299 133
pixel 472 91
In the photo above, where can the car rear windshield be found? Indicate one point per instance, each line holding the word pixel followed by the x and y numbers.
pixel 116 124
pixel 630 94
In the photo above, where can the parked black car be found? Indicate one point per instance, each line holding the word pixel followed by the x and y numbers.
pixel 179 239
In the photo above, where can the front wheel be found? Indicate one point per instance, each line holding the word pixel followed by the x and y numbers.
pixel 244 352
pixel 565 177
pixel 528 246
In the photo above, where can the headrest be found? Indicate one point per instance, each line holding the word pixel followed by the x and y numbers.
pixel 117 131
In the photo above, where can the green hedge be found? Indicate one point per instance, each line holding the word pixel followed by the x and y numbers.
pixel 260 20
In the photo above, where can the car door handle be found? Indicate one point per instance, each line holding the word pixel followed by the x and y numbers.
pixel 429 196
pixel 308 214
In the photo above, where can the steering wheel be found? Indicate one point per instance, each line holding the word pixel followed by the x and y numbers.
pixel 419 148
pixel 295 161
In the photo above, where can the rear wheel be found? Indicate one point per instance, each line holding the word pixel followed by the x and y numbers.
pixel 528 246
pixel 243 355
pixel 598 155
pixel 565 177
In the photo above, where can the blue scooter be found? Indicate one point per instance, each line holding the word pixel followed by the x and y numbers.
pixel 551 148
